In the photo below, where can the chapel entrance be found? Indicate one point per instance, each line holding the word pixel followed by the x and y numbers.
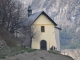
pixel 43 45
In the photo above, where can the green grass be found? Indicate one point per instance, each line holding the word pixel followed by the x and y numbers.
pixel 8 51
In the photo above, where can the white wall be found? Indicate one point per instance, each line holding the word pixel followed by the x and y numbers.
pixel 57 31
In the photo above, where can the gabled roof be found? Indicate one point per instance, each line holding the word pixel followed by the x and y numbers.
pixel 32 18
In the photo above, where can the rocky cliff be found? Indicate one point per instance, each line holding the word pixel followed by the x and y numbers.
pixel 66 13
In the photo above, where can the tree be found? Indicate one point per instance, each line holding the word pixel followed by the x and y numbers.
pixel 10 14
pixel 32 33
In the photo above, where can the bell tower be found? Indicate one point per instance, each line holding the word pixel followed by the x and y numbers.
pixel 29 10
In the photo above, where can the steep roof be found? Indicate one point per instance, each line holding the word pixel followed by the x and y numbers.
pixel 32 18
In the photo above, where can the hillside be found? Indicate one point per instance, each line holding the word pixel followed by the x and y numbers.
pixel 7 38
pixel 22 53
pixel 66 13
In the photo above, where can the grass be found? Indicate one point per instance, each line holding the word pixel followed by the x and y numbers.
pixel 8 51
pixel 54 52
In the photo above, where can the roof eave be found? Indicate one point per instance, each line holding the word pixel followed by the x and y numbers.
pixel 58 28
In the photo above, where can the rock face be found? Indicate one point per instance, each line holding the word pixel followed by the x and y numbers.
pixel 66 13
pixel 38 55
pixel 74 53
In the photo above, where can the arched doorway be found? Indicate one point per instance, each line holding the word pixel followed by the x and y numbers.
pixel 43 45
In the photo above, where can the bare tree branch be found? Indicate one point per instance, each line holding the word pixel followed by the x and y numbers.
pixel 33 32
pixel 11 14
